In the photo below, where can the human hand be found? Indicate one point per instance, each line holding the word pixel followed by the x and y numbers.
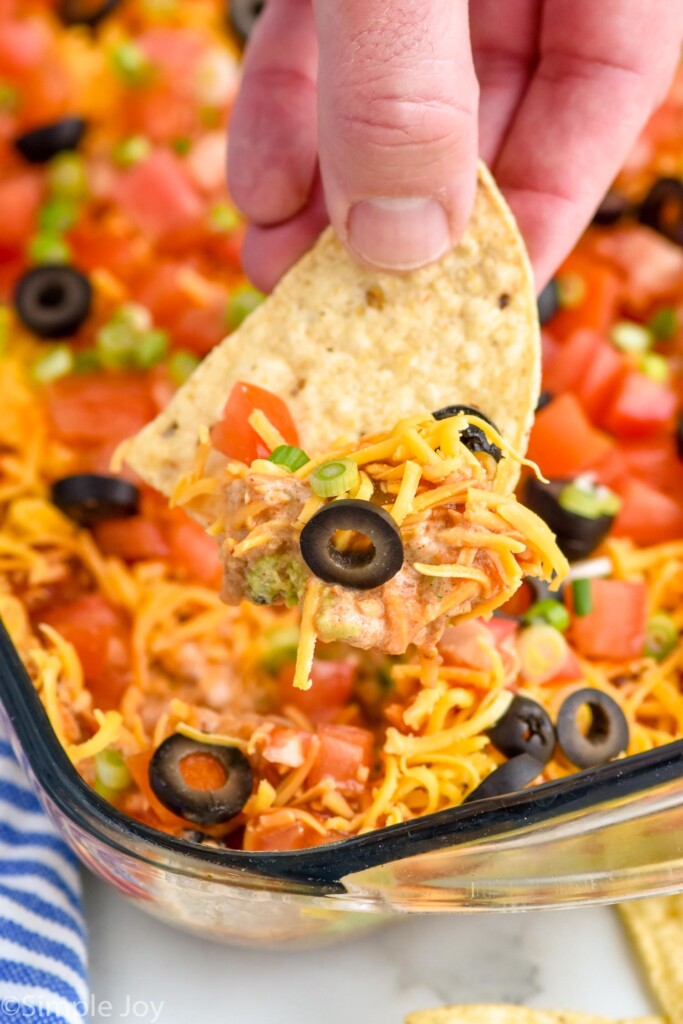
pixel 370 113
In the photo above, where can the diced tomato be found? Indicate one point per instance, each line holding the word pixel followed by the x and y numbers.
pixel 134 539
pixel 563 370
pixel 138 766
pixel 22 46
pixel 20 198
pixel 501 629
pixel 651 265
pixel 598 306
pixel 563 441
pixel 612 471
pixel 99 408
pixel 200 329
pixel 571 669
pixel 656 462
pixel 332 685
pixel 193 551
pixel 157 195
pixel 344 750
pixel 600 379
pixel 286 746
pixel 100 634
pixel 233 436
pixel 280 831
pixel 160 292
pixel 95 248
pixel 615 627
pixel 640 407
pixel 647 516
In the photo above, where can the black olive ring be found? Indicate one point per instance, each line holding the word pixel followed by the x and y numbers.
pixel 90 498
pixel 607 733
pixel 243 15
pixel 41 144
pixel 472 437
pixel 202 806
pixel 360 570
pixel 84 12
pixel 53 301
pixel 577 536
pixel 525 728
pixel 662 209
pixel 512 776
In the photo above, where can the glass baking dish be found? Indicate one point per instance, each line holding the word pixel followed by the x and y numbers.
pixel 602 835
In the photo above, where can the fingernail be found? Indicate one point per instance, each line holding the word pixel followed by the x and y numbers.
pixel 399 234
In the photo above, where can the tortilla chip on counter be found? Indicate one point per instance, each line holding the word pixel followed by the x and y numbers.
pixel 656 930
pixel 504 1014
pixel 351 349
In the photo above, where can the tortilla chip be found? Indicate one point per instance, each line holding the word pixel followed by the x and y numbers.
pixel 656 928
pixel 352 350
pixel 503 1014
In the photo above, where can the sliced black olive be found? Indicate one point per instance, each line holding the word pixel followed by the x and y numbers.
pixel 662 209
pixel 377 563
pixel 86 12
pixel 193 835
pixel 525 728
pixel 203 806
pixel 548 302
pixel 243 15
pixel 53 301
pixel 545 398
pixel 90 498
pixel 614 207
pixel 41 144
pixel 515 774
pixel 472 437
pixel 607 733
pixel 577 536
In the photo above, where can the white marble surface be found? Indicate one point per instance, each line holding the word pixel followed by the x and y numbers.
pixel 144 971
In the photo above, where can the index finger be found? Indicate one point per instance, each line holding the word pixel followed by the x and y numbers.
pixel 603 68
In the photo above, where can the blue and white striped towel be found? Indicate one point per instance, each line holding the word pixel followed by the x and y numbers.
pixel 42 937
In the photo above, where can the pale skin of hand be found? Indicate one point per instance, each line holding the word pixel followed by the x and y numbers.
pixel 370 114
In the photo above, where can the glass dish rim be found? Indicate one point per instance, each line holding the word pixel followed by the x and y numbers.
pixel 318 870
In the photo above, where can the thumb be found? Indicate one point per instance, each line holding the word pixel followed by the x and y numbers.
pixel 397 126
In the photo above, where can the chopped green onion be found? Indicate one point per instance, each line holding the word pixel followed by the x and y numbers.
pixel 67 176
pixel 542 652
pixel 182 146
pixel 182 365
pixel 9 97
pixel 281 648
pixel 57 215
pixel 151 348
pixel 290 456
pixel 115 344
pixel 571 290
pixel 550 611
pixel 333 478
pixel 49 248
pixel 224 217
pixel 130 63
pixel 664 323
pixel 104 791
pixel 661 636
pixel 138 318
pixel 589 502
pixel 56 363
pixel 583 597
pixel 111 770
pixel 86 360
pixel 631 337
pixel 241 303
pixel 131 151
pixel 655 366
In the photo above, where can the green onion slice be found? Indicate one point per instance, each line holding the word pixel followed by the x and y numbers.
pixel 131 151
pixel 661 636
pixel 290 456
pixel 181 365
pixel 58 362
pixel 111 770
pixel 631 337
pixel 241 303
pixel 49 248
pixel 151 348
pixel 550 611
pixel 589 501
pixel 583 597
pixel 333 478
pixel 664 323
